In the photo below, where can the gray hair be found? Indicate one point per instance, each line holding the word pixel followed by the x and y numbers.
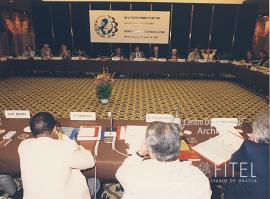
pixel 163 141
pixel 260 127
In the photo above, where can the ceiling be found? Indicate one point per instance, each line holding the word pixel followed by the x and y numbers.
pixel 18 4
pixel 26 4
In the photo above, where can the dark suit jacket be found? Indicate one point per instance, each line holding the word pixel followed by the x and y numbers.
pixel 257 155
pixel 154 56
pixel 133 55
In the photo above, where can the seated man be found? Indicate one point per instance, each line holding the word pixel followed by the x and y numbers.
pixel 250 58
pixel 208 54
pixel 50 168
pixel 173 56
pixel 137 53
pixel 264 59
pixel 195 55
pixel 80 53
pixel 29 53
pixel 118 53
pixel 46 52
pixel 163 175
pixel 254 157
pixel 155 54
pixel 64 52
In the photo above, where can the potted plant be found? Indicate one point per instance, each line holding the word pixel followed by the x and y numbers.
pixel 104 83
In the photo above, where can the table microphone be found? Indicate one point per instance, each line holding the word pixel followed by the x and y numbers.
pixel 110 131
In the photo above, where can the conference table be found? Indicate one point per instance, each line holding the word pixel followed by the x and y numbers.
pixel 242 73
pixel 107 160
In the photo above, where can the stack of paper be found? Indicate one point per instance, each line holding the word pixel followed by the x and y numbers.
pixel 84 133
pixel 134 137
pixel 89 133
pixel 220 148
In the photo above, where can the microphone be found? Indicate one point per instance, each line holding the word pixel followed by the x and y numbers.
pixel 110 131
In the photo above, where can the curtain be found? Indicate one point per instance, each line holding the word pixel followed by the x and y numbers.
pixel 261 35
pixel 17 23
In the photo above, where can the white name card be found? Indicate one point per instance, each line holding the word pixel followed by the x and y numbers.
pixel 202 61
pixel 224 121
pixel 17 114
pixel 181 60
pixel 224 61
pixel 86 116
pixel 109 134
pixel 167 118
pixel 162 59
pixel 116 58
pixel 75 58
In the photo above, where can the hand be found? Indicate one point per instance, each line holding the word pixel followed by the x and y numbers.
pixel 143 150
pixel 252 137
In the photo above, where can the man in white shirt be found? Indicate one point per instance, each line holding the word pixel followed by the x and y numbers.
pixel 209 55
pixel 163 175
pixel 50 168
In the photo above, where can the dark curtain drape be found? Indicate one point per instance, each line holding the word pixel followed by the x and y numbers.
pixel 261 35
pixel 19 28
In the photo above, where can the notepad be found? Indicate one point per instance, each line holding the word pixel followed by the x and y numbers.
pixel 89 133
pixel 220 148
pixel 134 137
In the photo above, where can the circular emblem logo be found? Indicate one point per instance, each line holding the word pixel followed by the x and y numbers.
pixel 106 26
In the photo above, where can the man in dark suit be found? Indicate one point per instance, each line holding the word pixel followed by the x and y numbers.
pixel 118 54
pixel 137 53
pixel 264 59
pixel 155 54
pixel 252 161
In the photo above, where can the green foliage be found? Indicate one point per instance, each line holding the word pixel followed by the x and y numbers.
pixel 104 90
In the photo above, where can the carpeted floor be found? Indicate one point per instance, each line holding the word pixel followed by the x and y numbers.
pixel 132 98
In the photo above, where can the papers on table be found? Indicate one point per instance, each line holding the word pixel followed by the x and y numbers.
pixel 89 133
pixel 134 137
pixel 84 133
pixel 220 148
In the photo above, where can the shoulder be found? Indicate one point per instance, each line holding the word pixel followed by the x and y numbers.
pixel 192 170
pixel 25 143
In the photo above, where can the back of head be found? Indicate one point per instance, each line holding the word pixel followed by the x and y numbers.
pixel 163 141
pixel 260 127
pixel 41 123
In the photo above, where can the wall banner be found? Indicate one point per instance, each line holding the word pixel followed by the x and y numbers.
pixel 111 26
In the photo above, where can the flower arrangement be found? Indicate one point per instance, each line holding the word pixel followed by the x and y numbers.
pixel 104 82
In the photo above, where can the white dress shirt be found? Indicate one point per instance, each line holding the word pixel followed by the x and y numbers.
pixel 50 169
pixel 208 57
pixel 151 179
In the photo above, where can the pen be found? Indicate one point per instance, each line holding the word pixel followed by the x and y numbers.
pixel 7 142
pixel 194 160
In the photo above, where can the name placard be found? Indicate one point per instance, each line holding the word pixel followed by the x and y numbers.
pixel 116 58
pixel 224 61
pixel 167 118
pixel 86 116
pixel 181 60
pixel 17 114
pixel 224 121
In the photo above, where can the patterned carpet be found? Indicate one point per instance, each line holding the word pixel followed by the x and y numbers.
pixel 132 98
